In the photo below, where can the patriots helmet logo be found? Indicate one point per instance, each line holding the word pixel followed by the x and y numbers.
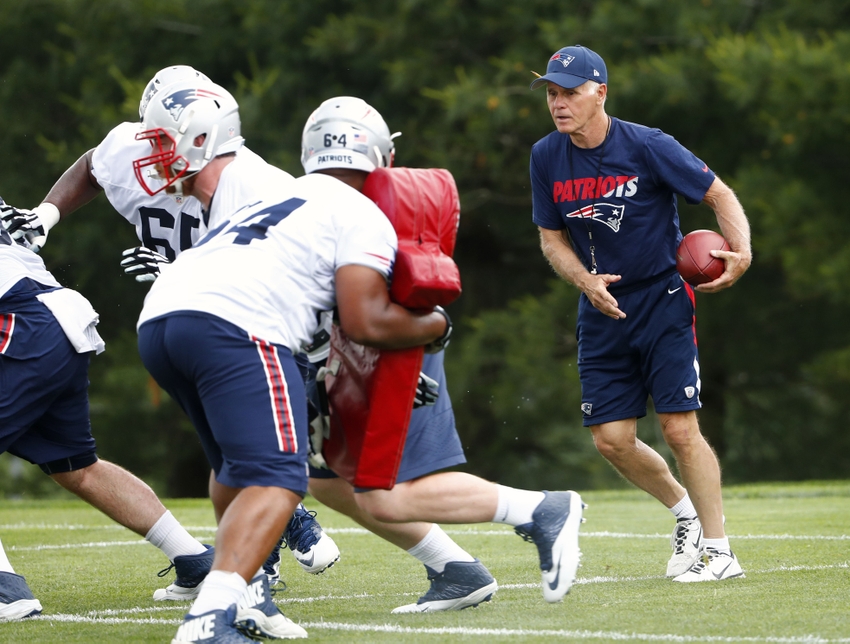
pixel 608 213
pixel 178 101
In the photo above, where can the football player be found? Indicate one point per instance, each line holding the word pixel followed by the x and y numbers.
pixel 166 223
pixel 219 331
pixel 47 335
pixel 346 138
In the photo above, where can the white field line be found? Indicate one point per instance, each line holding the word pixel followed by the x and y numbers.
pixel 392 629
pixel 210 530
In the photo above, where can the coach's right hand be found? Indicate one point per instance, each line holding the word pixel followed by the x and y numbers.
pixel 595 287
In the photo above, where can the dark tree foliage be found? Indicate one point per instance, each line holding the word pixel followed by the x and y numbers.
pixel 759 89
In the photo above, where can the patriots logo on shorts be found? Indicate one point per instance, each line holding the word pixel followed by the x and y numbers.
pixel 586 408
pixel 178 101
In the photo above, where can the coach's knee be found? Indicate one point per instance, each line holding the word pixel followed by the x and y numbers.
pixel 615 447
pixel 681 433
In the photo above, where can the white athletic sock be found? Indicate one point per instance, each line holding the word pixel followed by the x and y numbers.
pixel 717 544
pixel 219 591
pixel 684 509
pixel 515 507
pixel 5 564
pixel 437 549
pixel 169 536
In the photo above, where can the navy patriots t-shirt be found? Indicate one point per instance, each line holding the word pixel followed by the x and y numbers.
pixel 628 201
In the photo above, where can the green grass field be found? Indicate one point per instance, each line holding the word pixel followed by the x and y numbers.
pixel 95 579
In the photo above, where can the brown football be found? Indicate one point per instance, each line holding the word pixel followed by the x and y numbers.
pixel 693 260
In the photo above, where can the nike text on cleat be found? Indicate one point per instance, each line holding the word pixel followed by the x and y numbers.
pixel 686 543
pixel 314 550
pixel 721 564
pixel 16 598
pixel 554 530
pixel 461 584
pixel 214 627
pixel 258 616
pixel 191 570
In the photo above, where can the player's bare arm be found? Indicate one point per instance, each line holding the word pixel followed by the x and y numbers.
pixel 76 187
pixel 368 316
pixel 563 259
pixel 736 229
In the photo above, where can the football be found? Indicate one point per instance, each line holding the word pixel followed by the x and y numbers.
pixel 694 261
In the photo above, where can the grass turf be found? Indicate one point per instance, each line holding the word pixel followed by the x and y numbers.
pixel 95 579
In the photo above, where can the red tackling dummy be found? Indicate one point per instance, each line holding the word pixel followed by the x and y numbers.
pixel 370 391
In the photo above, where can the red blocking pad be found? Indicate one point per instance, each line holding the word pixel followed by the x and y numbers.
pixel 370 391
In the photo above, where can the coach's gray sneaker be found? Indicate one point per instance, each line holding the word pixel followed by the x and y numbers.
pixel 461 584
pixel 258 616
pixel 191 571
pixel 16 598
pixel 554 530
pixel 686 542
pixel 214 627
pixel 722 564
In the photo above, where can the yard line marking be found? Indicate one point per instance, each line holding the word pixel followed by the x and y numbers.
pixel 483 632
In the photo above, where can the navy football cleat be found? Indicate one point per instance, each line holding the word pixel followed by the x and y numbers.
pixel 16 598
pixel 314 550
pixel 214 627
pixel 554 530
pixel 191 571
pixel 258 616
pixel 461 584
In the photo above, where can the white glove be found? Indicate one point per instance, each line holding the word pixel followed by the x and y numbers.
pixel 29 227
pixel 427 391
pixel 143 263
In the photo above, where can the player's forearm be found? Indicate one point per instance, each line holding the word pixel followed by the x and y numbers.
pixel 75 188
pixel 394 327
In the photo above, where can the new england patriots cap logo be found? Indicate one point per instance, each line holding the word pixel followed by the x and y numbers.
pixel 565 59
pixel 178 101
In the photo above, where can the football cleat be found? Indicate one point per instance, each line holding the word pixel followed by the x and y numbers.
pixel 214 627
pixel 462 584
pixel 16 598
pixel 686 542
pixel 258 616
pixel 272 566
pixel 311 547
pixel 191 571
pixel 554 530
pixel 722 564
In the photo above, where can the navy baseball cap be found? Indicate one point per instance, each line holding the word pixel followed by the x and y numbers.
pixel 573 66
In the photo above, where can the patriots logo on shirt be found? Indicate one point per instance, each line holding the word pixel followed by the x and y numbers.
pixel 608 213
pixel 178 101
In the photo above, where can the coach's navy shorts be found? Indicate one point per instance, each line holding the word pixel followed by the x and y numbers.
pixel 653 352
pixel 432 442
pixel 244 396
pixel 44 407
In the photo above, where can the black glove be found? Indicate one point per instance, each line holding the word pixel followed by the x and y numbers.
pixel 24 226
pixel 442 342
pixel 143 263
pixel 427 391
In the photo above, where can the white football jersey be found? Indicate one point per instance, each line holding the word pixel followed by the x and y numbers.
pixel 162 224
pixel 16 263
pixel 270 269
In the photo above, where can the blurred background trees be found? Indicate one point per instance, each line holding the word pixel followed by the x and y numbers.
pixel 759 89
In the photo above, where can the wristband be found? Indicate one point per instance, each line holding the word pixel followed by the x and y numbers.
pixel 48 214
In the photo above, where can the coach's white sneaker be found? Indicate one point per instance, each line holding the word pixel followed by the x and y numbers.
pixel 685 542
pixel 722 564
